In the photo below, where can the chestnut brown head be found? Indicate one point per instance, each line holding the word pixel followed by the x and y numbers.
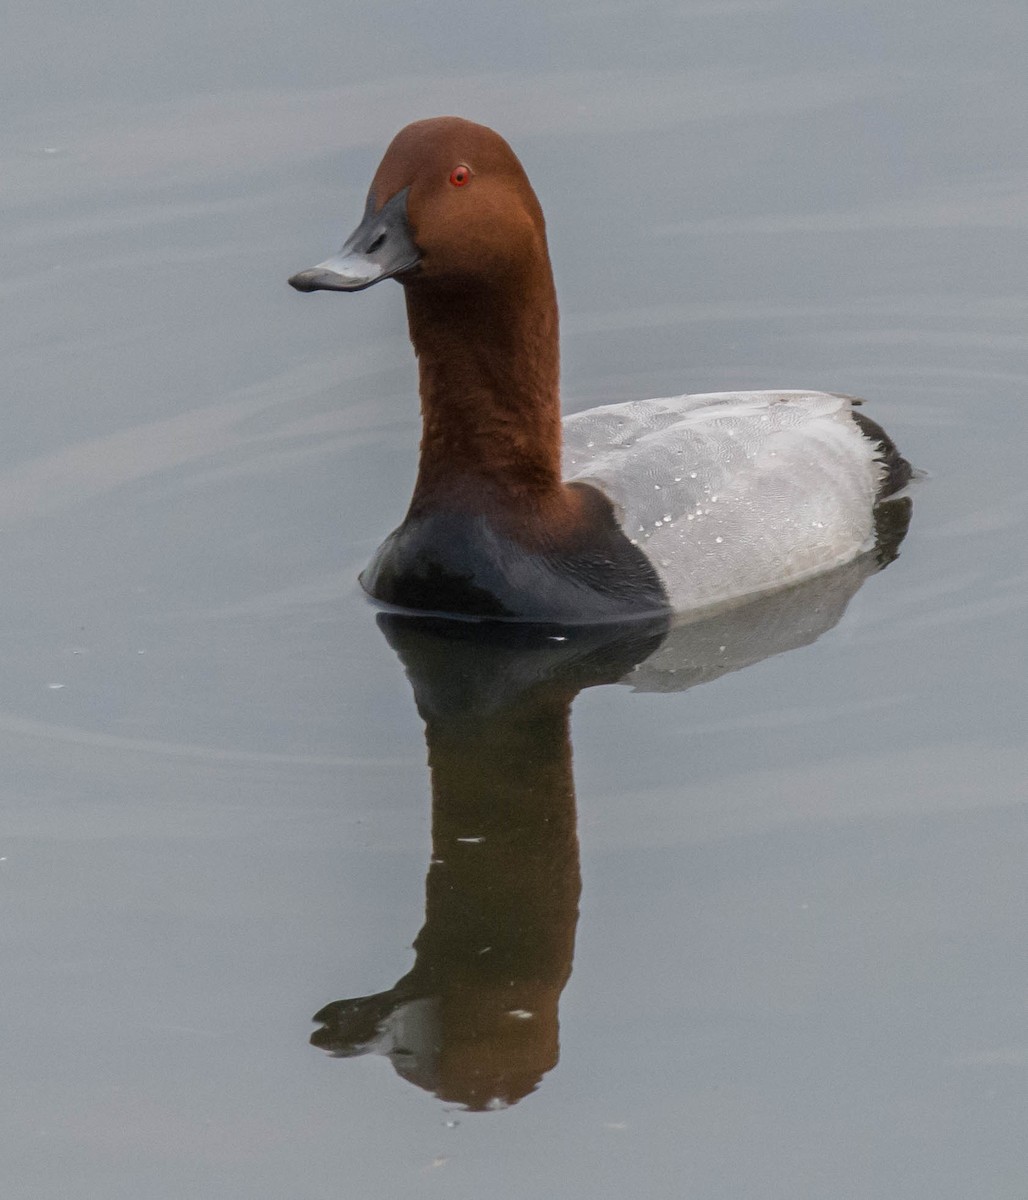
pixel 450 205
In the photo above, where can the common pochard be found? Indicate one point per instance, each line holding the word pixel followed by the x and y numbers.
pixel 647 507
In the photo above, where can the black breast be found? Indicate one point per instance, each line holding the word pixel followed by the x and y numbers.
pixel 458 563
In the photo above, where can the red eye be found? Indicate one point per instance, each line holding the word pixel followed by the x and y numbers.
pixel 459 176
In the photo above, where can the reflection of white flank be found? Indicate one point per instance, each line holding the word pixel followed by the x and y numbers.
pixel 700 650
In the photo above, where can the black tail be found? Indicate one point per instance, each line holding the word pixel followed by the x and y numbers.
pixel 898 472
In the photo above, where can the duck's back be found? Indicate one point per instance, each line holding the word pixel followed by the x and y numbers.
pixel 734 493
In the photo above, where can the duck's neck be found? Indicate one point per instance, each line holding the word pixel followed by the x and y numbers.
pixel 488 361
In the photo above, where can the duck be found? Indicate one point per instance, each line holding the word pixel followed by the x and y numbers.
pixel 633 510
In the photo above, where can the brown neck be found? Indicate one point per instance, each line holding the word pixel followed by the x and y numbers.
pixel 489 368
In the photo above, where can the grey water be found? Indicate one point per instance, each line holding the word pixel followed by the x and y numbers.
pixel 740 912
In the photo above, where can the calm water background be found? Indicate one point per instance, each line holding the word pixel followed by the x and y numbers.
pixel 800 967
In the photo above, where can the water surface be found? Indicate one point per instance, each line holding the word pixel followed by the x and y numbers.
pixel 770 925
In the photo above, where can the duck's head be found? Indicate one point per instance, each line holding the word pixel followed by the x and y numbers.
pixel 450 204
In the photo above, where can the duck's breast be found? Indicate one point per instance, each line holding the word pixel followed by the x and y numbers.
pixel 733 493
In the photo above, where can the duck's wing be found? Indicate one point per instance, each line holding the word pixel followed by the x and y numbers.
pixel 732 493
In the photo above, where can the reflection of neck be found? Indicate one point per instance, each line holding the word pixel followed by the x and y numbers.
pixel 503 831
pixel 502 896
pixel 488 362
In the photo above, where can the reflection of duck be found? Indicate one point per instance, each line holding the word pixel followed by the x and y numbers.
pixel 669 504
pixel 475 1019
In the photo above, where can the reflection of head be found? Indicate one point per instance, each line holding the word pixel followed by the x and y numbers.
pixel 473 1047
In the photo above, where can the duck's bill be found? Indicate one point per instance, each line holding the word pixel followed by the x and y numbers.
pixel 381 247
pixel 343 273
